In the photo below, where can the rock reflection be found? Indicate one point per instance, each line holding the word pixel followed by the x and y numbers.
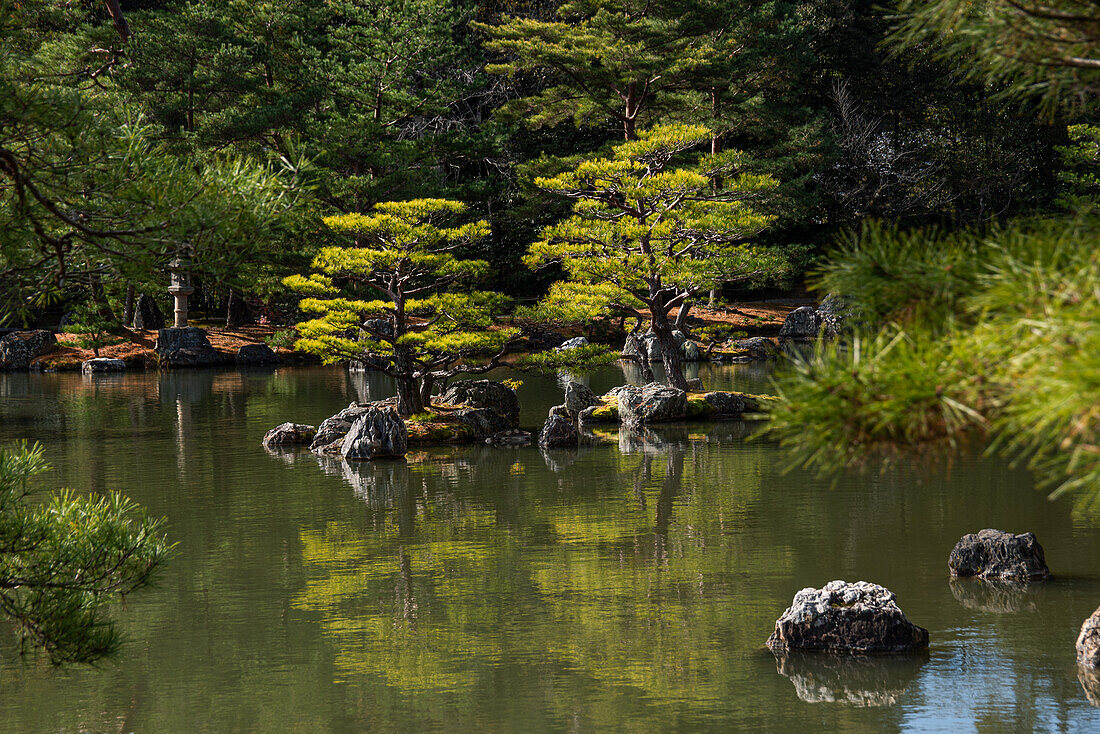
pixel 996 597
pixel 1090 683
pixel 378 483
pixel 856 680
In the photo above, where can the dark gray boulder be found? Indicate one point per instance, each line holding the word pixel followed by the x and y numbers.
pixel 256 354
pixel 102 364
pixel 730 404
pixel 801 323
pixel 578 397
pixel 558 432
pixel 147 315
pixel 19 348
pixel 689 350
pixel 377 434
pixel 1088 642
pixel 852 618
pixel 488 395
pixel 758 347
pixel 336 427
pixel 653 403
pixel 289 434
pixel 484 421
pixel 995 554
pixel 187 347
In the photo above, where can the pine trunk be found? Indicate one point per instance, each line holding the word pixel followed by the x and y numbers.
pixel 670 351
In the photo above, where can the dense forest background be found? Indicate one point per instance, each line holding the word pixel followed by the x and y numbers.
pixel 240 123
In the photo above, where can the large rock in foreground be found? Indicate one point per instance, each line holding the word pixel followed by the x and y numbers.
pixel 187 347
pixel 860 618
pixel 289 434
pixel 653 403
pixel 1088 642
pixel 377 434
pixel 18 349
pixel 995 554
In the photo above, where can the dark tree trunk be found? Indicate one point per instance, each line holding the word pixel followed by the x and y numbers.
pixel 128 307
pixel 237 312
pixel 409 398
pixel 670 350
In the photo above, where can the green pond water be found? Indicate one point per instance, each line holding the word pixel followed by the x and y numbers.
pixel 627 587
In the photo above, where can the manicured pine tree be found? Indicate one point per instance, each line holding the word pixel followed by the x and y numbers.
pixel 396 298
pixel 645 236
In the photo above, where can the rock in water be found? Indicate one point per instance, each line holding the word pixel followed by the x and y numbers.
pixel 578 397
pixel 494 396
pixel 187 347
pixel 1088 642
pixel 651 404
pixel 558 433
pixel 859 618
pixel 289 434
pixel 256 354
pixel 995 554
pixel 147 315
pixel 377 434
pixel 758 347
pixel 102 364
pixel 19 348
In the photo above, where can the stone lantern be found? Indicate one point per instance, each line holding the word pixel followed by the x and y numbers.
pixel 180 289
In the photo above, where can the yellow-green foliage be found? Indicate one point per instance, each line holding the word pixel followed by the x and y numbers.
pixel 637 222
pixel 402 269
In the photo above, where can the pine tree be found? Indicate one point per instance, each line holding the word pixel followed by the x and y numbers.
pixel 421 325
pixel 646 236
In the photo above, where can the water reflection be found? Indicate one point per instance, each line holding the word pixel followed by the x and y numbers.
pixel 997 597
pixel 858 680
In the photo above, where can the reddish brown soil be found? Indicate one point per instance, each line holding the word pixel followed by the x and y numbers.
pixel 137 350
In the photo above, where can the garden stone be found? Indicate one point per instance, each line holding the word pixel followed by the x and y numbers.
pixel 651 404
pixel 558 432
pixel 377 434
pixel 186 347
pixel 727 403
pixel 995 554
pixel 289 434
pixel 256 354
pixel 758 347
pixel 801 323
pixel 19 348
pixel 102 364
pixel 578 397
pixel 147 315
pixel 484 421
pixel 851 618
pixel 331 429
pixel 494 397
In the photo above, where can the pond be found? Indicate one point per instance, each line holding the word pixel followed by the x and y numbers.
pixel 627 587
